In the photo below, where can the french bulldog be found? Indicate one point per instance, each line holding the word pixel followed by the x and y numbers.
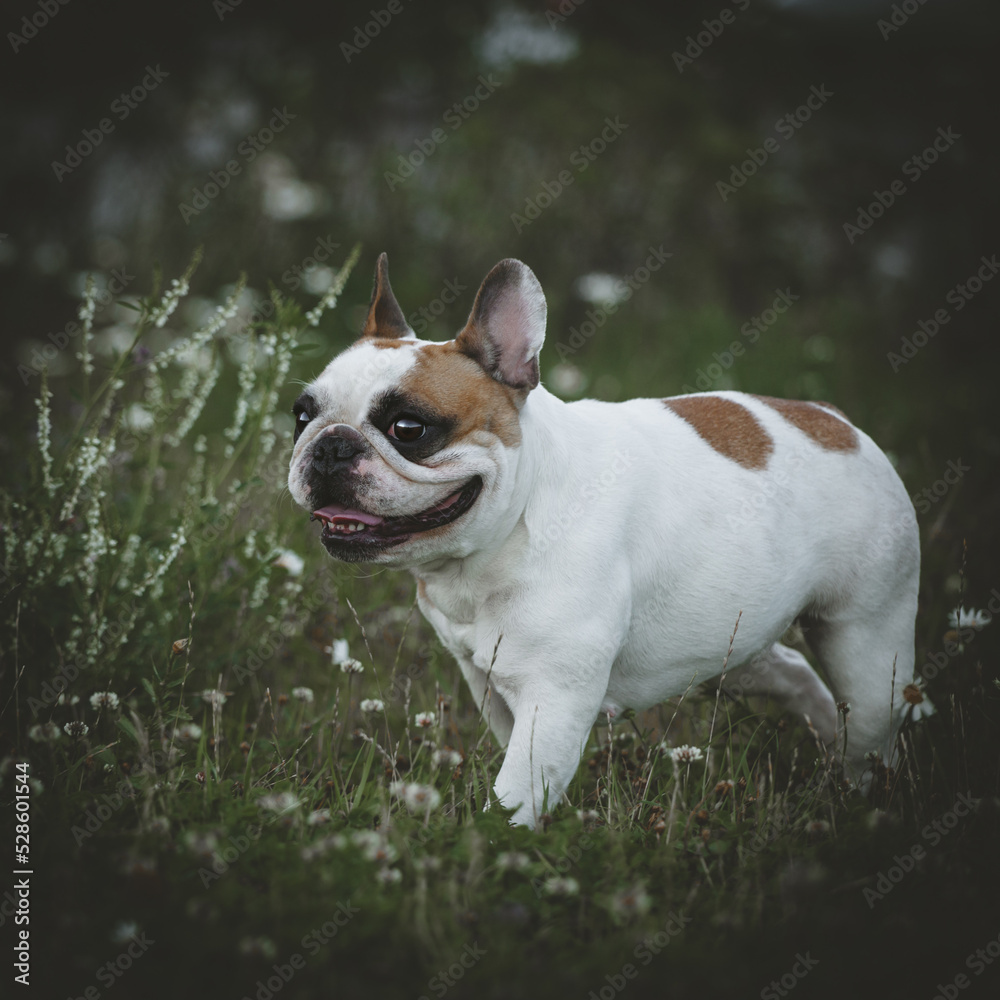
pixel 580 558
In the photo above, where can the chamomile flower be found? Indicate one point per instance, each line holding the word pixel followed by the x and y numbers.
pixel 916 700
pixel 103 699
pixel 969 618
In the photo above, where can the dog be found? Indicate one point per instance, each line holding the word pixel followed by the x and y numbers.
pixel 584 558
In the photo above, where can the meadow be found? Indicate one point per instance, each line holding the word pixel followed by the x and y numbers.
pixel 254 772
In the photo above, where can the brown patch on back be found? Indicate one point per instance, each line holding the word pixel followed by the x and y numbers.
pixel 818 421
pixel 731 429
pixel 456 386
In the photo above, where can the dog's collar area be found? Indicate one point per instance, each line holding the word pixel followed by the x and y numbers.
pixel 344 524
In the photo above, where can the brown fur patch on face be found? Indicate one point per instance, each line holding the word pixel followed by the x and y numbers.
pixel 455 386
pixel 816 420
pixel 732 430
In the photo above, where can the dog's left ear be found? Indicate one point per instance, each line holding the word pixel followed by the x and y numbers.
pixel 385 318
pixel 506 327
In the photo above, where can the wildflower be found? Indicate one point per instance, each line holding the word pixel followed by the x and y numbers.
pixel 189 731
pixel 318 817
pixel 290 561
pixel 279 802
pixel 415 796
pixel 424 719
pixel 389 876
pixel 214 697
pixel 446 758
pixel 685 754
pixel 600 288
pixel 723 787
pixel 76 729
pixel 372 705
pixel 969 618
pixel 200 842
pixel 558 886
pixel 45 732
pixel 68 699
pixel 566 379
pixel 374 846
pixel 351 666
pixel 258 947
pixel 631 902
pixel 587 815
pixel 303 694
pixel 512 861
pixel 103 699
pixel 919 704
pixel 339 651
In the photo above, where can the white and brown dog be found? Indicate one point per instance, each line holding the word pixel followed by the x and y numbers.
pixel 611 545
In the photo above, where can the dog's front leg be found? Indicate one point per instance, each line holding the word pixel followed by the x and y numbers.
pixel 550 732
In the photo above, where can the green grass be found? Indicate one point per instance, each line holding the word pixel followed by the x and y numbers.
pixel 259 827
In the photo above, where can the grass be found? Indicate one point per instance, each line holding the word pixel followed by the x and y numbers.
pixel 214 813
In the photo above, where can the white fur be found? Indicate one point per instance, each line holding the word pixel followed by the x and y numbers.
pixel 612 551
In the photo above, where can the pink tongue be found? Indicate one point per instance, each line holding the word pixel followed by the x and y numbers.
pixel 332 513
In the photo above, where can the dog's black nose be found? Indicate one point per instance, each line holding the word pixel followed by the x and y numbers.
pixel 336 448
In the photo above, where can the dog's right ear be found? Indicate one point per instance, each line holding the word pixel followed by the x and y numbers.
pixel 385 318
pixel 506 327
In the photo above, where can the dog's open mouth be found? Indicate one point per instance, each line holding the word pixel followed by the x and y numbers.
pixel 344 527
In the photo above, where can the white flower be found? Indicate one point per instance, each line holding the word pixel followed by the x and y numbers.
pixel 424 719
pixel 103 699
pixel 446 758
pixel 339 651
pixel 631 902
pixel 351 666
pixel 374 846
pixel 600 288
pixel 587 815
pixel 372 705
pixel 279 802
pixel 303 694
pixel 44 732
pixel 290 561
pixel 557 886
pixel 916 701
pixel 189 731
pixel 124 931
pixel 513 861
pixel 685 754
pixel 966 617
pixel 318 817
pixel 68 699
pixel 213 697
pixel 566 379
pixel 389 876
pixel 76 729
pixel 416 797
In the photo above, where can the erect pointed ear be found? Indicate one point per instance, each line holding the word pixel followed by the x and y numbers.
pixel 506 327
pixel 385 318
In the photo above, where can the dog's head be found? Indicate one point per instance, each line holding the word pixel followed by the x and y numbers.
pixel 406 449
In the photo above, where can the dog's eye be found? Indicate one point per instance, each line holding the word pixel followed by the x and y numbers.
pixel 407 429
pixel 301 419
